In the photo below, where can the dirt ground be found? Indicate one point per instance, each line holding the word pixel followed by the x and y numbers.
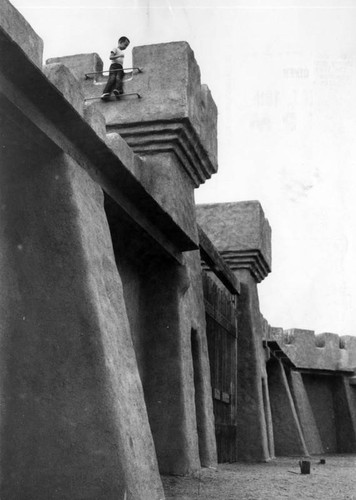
pixel 275 480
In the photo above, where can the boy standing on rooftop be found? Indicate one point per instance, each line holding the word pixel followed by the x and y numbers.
pixel 116 74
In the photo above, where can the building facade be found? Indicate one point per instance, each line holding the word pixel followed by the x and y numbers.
pixel 132 342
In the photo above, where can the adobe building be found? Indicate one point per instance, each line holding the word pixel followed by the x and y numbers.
pixel 312 391
pixel 295 390
pixel 104 370
pixel 132 343
pixel 242 235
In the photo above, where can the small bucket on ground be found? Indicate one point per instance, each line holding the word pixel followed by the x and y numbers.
pixel 304 466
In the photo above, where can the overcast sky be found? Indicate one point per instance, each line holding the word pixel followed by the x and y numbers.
pixel 283 75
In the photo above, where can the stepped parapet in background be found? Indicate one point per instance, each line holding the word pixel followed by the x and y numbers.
pixel 325 351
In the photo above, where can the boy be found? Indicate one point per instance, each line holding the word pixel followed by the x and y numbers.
pixel 114 83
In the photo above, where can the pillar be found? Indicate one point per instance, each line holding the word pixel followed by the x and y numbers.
pixel 305 414
pixel 345 416
pixel 268 417
pixel 252 438
pixel 288 436
pixel 242 235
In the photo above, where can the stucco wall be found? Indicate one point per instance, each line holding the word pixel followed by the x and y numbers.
pixel 164 303
pixel 68 424
pixel 320 392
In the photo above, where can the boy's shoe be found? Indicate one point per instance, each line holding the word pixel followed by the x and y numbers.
pixel 117 93
pixel 105 96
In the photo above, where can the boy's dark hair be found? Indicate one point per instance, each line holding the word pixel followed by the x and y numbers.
pixel 124 39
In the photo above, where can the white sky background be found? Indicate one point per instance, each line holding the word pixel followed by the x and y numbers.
pixel 283 75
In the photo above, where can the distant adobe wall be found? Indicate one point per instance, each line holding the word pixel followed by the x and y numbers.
pixel 307 401
pixel 326 351
pixel 319 376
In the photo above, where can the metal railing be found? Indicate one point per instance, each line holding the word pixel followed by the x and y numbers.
pixel 87 75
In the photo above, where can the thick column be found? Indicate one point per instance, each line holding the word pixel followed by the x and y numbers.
pixel 268 417
pixel 288 436
pixel 252 441
pixel 305 414
pixel 200 360
pixel 170 345
pixel 242 235
pixel 320 390
pixel 73 421
pixel 351 399
pixel 345 416
pixel 169 380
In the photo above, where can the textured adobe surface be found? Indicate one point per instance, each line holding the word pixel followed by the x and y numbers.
pixel 168 295
pixel 169 299
pixel 288 437
pixel 176 113
pixel 63 79
pixel 74 421
pixel 252 442
pixel 80 64
pixel 326 351
pixel 71 428
pixel 241 233
pixel 305 414
pixel 19 31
